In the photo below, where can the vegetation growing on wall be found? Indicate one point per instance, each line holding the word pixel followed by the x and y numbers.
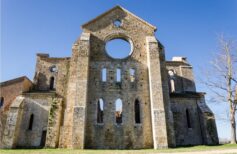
pixel 52 112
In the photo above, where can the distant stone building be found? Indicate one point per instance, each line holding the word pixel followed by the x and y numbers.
pixel 93 100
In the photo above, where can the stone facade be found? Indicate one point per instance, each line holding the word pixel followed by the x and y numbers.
pixel 160 106
pixel 9 90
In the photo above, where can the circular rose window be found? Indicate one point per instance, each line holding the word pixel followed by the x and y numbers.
pixel 118 48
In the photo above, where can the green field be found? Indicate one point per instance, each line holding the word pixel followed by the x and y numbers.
pixel 68 151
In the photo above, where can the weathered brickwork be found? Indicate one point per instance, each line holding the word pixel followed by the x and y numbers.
pixel 160 106
pixel 12 88
pixel 9 90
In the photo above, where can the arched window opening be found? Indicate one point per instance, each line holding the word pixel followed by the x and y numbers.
pixel 172 85
pixel 172 80
pixel 188 118
pixel 104 74
pixel 51 85
pixel 1 102
pixel 31 122
pixel 118 110
pixel 118 75
pixel 100 109
pixel 132 74
pixel 137 112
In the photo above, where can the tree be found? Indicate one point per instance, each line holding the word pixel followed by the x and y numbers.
pixel 222 79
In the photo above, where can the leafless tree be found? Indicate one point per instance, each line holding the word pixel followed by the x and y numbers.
pixel 221 79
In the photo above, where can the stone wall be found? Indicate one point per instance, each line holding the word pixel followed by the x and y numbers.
pixel 183 134
pixel 184 79
pixel 9 90
pixel 48 67
pixel 54 122
pixel 73 134
pixel 109 134
pixel 39 108
pixel 21 132
pixel 162 125
pixel 185 97
pixel 208 124
pixel 11 129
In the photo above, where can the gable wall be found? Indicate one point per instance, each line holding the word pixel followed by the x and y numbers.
pixel 109 134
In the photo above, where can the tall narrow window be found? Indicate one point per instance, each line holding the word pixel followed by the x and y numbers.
pixel 1 102
pixel 103 74
pixel 31 122
pixel 51 84
pixel 172 80
pixel 100 108
pixel 188 118
pixel 172 85
pixel 118 75
pixel 132 74
pixel 118 110
pixel 137 112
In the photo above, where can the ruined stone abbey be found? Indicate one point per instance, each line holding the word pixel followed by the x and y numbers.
pixel 93 100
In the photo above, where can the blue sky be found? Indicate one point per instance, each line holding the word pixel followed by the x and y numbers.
pixel 185 27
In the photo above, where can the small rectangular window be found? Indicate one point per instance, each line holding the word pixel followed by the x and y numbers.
pixel 132 74
pixel 104 74
pixel 118 75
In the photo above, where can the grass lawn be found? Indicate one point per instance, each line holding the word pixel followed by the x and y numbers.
pixel 69 151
